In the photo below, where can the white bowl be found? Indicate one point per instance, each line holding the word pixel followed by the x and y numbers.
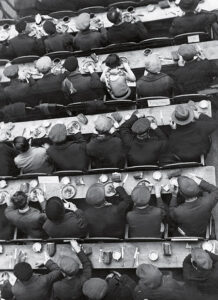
pixel 116 255
pixel 153 255
pixel 157 175
pixel 203 104
pixel 37 247
pixel 103 178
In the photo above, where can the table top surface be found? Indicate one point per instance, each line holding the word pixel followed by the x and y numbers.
pixel 162 115
pixel 53 185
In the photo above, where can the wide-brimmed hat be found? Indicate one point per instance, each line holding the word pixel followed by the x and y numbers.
pixel 188 187
pixel 202 258
pixel 183 114
pixel 188 5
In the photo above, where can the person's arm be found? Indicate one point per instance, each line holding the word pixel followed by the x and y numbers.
pixel 79 214
pixel 95 82
pixel 212 190
pixel 126 132
pixel 79 137
pixel 6 290
pixel 126 200
pixel 54 272
pixel 160 203
pixel 104 40
pixel 158 132
pixel 173 202
pixel 187 268
pixel 141 30
pixel 129 73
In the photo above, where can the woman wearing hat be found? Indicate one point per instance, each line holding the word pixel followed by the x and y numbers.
pixel 192 21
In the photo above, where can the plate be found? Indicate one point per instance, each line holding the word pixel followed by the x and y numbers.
pixel 86 64
pixel 150 8
pixel 4 197
pixel 73 125
pixel 153 255
pixel 65 180
pixel 124 59
pixel 3 36
pixel 34 194
pixel 109 190
pixel 68 192
pixel 39 132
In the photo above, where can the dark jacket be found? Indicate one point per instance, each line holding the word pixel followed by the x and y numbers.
pixel 72 225
pixel 86 87
pixel 140 220
pixel 193 217
pixel 38 287
pixel 154 85
pixel 59 42
pixel 141 152
pixel 6 228
pixel 7 155
pixel 69 155
pixel 194 76
pixel 109 220
pixel 193 22
pixel 204 280
pixel 71 288
pixel 106 152
pixel 189 141
pixel 89 39
pixel 30 222
pixel 15 112
pixel 127 32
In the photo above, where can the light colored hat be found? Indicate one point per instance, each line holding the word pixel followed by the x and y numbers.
pixel 83 21
pixel 43 64
pixel 187 51
pixel 153 63
pixel 202 258
pixel 58 133
pixel 149 275
pixel 103 124
pixel 11 71
pixel 183 114
pixel 141 126
pixel 95 288
pixel 140 195
pixel 95 194
pixel 188 187
pixel 69 265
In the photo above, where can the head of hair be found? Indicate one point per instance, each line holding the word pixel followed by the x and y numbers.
pixel 114 15
pixel 21 144
pixel 113 61
pixel 23 271
pixel 19 199
pixel 54 209
pixel 20 26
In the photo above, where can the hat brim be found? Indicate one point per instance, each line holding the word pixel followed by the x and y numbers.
pixel 184 122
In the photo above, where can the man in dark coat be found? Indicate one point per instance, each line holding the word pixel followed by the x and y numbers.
pixel 193 216
pixel 78 87
pixel 105 219
pixel 7 155
pixel 192 21
pixel 196 74
pixel 189 138
pixel 71 286
pixel 27 219
pixel 200 269
pixel 122 32
pixel 141 148
pixel 105 150
pixel 87 39
pixel 143 214
pixel 23 44
pixel 56 41
pixel 61 222
pixel 67 155
pixel 153 82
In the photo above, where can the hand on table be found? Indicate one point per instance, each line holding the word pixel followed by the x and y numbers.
pixel 4 277
pixel 117 184
pixel 153 124
pixel 138 114
pixel 21 256
pixel 197 114
pixel 70 206
pixel 157 189
pixel 172 124
pixel 75 246
pixel 194 177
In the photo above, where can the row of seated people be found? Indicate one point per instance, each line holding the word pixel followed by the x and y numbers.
pixel 64 281
pixel 87 39
pixel 188 215
pixel 139 141
pixel 193 75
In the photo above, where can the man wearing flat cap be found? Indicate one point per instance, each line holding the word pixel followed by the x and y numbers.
pixel 106 219
pixel 70 287
pixel 67 155
pixel 56 41
pixel 95 288
pixel 144 142
pixel 105 149
pixel 87 39
pixel 193 216
pixel 144 215
pixel 196 74
pixel 154 82
pixel 192 20
pixel 200 270
pixel 78 87
pixel 189 137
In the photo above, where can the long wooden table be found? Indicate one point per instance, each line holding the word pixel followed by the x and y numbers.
pixel 162 115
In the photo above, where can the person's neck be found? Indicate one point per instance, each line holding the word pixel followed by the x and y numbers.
pixel 24 210
pixel 142 136
pixel 191 199
pixel 142 207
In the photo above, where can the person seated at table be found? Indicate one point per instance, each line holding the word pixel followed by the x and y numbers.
pixel 7 155
pixel 143 141
pixel 78 87
pixel 192 20
pixel 64 220
pixel 143 214
pixel 105 149
pixel 106 219
pixel 73 281
pixel 29 285
pixel 48 88
pixel 17 90
pixel 121 31
pixel 27 219
pixel 56 41
pixel 23 44
pixel 193 216
pixel 154 82
pixel 95 288
pixel 200 269
pixel 6 227
pixel 189 137
pixel 87 39
pixel 154 285
pixel 31 159
pixel 67 155
pixel 116 75
pixel 195 74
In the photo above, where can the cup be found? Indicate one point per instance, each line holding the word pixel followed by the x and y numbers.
pixel 157 175
pixel 6 26
pixel 92 15
pixel 147 51
pixel 130 9
pixel 203 104
pixel 153 255
pixel 66 19
pixel 57 60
